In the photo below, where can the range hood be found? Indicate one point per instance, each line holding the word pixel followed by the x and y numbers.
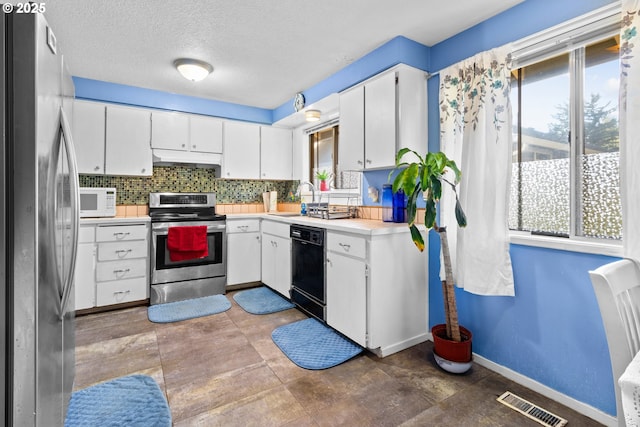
pixel 174 157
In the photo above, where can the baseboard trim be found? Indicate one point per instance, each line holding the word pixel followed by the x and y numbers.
pixel 576 405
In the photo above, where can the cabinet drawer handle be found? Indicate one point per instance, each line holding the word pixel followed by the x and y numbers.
pixel 120 295
pixel 345 246
pixel 243 227
pixel 121 235
pixel 122 252
pixel 121 272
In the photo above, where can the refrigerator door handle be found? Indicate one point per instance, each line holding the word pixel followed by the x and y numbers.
pixel 75 208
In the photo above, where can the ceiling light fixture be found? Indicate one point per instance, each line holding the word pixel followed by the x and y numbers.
pixel 312 115
pixel 193 69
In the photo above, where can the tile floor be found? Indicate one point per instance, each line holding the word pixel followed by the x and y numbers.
pixel 224 370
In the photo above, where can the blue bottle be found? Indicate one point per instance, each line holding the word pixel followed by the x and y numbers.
pixel 303 208
pixel 387 203
pixel 399 206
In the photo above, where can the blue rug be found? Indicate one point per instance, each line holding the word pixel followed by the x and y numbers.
pixel 261 300
pixel 188 309
pixel 312 345
pixel 133 401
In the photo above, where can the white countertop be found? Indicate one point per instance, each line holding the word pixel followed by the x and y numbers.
pixel 368 227
pixel 116 220
pixel 349 225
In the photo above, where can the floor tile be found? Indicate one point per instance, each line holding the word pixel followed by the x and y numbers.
pixel 225 370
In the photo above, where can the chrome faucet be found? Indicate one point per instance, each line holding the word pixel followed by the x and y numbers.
pixel 313 190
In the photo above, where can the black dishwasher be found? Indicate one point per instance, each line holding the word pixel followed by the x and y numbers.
pixel 308 289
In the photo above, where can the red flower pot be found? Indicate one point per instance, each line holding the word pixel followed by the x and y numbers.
pixel 324 186
pixel 459 352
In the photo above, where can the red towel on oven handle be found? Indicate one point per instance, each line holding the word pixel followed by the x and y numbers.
pixel 187 242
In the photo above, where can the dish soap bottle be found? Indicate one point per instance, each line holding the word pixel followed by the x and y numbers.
pixel 303 208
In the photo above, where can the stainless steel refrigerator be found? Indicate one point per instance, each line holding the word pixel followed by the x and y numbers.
pixel 38 225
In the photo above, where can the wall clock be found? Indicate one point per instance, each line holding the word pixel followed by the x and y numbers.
pixel 298 101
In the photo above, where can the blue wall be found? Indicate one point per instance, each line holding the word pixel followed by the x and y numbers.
pixel 551 331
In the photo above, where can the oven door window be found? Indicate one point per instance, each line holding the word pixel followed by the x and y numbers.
pixel 214 240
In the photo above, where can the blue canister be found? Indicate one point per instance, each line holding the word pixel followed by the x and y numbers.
pixel 399 205
pixel 387 203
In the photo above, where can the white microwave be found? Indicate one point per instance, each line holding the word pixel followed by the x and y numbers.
pixel 97 202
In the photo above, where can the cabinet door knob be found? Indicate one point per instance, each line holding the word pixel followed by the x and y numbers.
pixel 360 162
pixel 193 146
pixel 368 161
pixel 97 168
pixel 184 145
pixel 143 170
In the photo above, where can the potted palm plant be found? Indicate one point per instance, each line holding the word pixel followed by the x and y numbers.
pixel 426 175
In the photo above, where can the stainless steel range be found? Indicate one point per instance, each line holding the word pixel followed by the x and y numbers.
pixel 180 278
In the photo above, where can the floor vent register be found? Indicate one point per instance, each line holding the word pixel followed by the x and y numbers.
pixel 530 410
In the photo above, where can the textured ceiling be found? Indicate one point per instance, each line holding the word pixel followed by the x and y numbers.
pixel 263 52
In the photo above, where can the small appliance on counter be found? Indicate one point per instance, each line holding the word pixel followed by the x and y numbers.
pixel 97 202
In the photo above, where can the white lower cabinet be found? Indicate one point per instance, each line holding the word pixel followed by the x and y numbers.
pixel 377 290
pixel 85 276
pixel 347 286
pixel 243 251
pixel 276 256
pixel 112 265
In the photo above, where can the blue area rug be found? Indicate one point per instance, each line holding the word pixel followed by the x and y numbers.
pixel 133 401
pixel 261 300
pixel 188 309
pixel 312 345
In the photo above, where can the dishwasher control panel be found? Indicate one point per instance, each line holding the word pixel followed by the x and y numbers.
pixel 312 235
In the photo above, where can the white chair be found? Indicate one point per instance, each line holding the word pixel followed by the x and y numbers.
pixel 617 288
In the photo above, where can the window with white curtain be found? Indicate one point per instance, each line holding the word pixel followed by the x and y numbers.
pixel 565 178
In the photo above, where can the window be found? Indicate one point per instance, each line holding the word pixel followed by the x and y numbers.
pixel 323 156
pixel 565 177
pixel 323 152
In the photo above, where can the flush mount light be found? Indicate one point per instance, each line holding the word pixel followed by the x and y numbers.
pixel 312 115
pixel 193 69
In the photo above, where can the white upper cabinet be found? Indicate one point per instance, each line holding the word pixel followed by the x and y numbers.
pixel 241 151
pixel 169 131
pixel 185 132
pixel 382 115
pixel 205 134
pixel 276 153
pixel 351 146
pixel 88 136
pixel 380 122
pixel 128 141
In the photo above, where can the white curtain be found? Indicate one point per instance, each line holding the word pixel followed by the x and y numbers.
pixel 630 127
pixel 475 132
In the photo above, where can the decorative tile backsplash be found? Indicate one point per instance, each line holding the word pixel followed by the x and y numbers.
pixel 132 190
